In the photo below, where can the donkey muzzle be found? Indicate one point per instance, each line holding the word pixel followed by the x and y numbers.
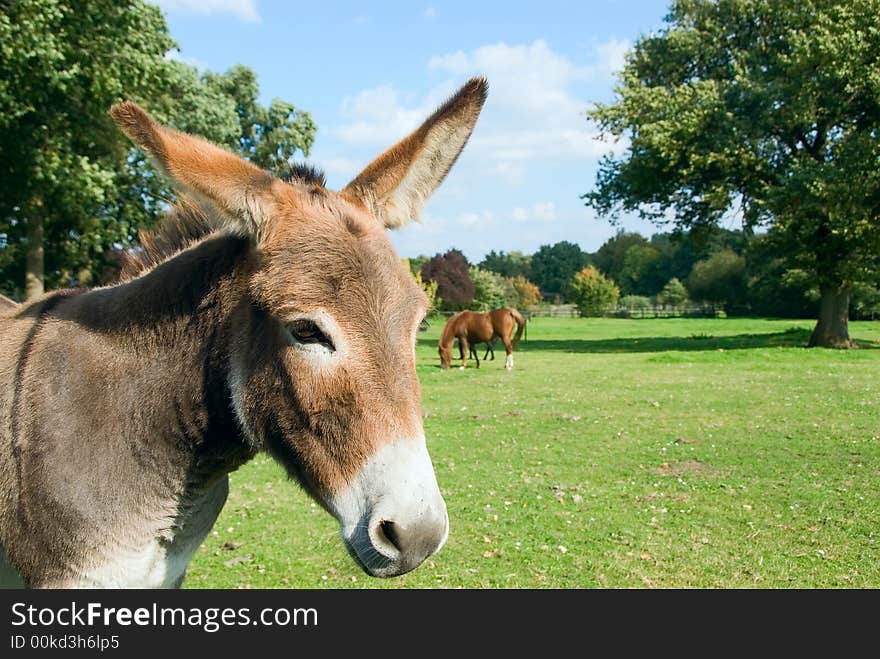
pixel 392 515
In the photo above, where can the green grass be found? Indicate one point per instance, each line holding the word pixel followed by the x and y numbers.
pixel 673 453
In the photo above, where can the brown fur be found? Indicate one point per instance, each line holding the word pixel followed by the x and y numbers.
pixel 471 327
pixel 123 408
pixel 7 305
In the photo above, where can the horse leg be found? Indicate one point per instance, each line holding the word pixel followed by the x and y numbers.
pixel 465 350
pixel 490 348
pixel 508 348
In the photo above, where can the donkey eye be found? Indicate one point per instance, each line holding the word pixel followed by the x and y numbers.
pixel 305 331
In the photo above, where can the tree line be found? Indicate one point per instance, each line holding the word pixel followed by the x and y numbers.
pixel 721 269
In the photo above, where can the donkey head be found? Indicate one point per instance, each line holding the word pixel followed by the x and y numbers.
pixel 322 360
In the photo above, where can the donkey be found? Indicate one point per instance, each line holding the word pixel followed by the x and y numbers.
pixel 7 305
pixel 284 323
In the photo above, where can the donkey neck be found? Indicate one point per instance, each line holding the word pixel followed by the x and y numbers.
pixel 174 323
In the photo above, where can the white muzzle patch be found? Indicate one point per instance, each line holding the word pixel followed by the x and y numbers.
pixel 392 515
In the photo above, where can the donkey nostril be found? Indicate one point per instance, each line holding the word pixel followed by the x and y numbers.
pixel 389 531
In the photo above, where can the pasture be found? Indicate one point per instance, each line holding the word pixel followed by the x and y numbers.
pixel 668 453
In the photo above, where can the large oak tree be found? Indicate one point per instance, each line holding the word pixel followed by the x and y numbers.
pixel 769 111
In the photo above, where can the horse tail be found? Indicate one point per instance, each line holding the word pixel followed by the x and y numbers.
pixel 520 325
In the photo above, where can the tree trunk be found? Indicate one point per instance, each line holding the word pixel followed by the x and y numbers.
pixel 34 266
pixel 832 330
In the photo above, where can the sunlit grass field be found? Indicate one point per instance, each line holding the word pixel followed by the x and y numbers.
pixel 667 453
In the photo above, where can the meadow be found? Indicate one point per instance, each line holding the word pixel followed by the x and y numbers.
pixel 661 453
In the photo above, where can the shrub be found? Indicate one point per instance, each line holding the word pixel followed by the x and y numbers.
pixel 528 294
pixel 429 287
pixel 454 285
pixel 489 289
pixel 592 292
pixel 674 294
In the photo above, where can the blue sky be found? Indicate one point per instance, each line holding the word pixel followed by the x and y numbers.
pixel 371 72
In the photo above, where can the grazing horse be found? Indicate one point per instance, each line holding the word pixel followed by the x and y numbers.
pixel 471 327
pixel 269 316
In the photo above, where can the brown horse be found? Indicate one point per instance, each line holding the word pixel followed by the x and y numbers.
pixel 271 316
pixel 471 327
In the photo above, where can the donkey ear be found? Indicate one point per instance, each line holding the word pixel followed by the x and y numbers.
pixel 240 190
pixel 396 185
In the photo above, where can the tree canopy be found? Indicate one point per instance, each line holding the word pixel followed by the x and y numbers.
pixel 72 187
pixel 553 266
pixel 769 111
pixel 454 286
pixel 507 264
pixel 489 290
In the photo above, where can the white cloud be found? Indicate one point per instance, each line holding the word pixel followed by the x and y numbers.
pixel 612 56
pixel 480 219
pixel 377 117
pixel 430 12
pixel 536 107
pixel 535 111
pixel 245 10
pixel 543 211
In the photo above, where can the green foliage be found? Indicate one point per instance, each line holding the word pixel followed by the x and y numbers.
pixel 719 279
pixel 635 302
pixel 640 274
pixel 610 257
pixel 490 291
pixel 65 164
pixel 866 301
pixel 429 287
pixel 553 267
pixel 63 65
pixel 454 285
pixel 510 264
pixel 416 263
pixel 769 109
pixel 592 292
pixel 268 137
pixel 674 294
pixel 527 294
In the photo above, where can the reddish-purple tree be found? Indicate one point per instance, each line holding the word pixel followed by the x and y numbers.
pixel 454 286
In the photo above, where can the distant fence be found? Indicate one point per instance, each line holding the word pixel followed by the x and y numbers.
pixel 555 311
pixel 571 311
pixel 687 311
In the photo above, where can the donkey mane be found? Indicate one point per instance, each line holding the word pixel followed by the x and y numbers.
pixel 303 173
pixel 188 222
pixel 185 224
